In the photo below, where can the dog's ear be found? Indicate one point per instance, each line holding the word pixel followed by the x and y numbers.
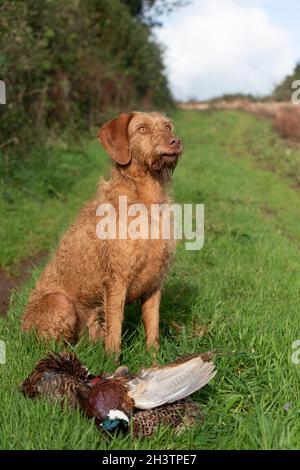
pixel 113 135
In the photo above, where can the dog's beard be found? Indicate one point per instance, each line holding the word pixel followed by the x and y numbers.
pixel 160 167
pixel 163 167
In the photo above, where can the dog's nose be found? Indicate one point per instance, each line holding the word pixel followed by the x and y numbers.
pixel 175 142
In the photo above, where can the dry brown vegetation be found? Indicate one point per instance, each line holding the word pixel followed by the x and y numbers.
pixel 285 115
pixel 287 122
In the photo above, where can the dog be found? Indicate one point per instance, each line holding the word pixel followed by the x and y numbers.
pixel 89 279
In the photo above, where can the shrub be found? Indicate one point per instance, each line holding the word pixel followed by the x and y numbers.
pixel 73 63
pixel 283 91
pixel 287 122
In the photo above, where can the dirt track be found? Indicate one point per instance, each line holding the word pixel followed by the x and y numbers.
pixel 8 281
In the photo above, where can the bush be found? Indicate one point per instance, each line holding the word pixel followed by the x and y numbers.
pixel 284 91
pixel 287 122
pixel 74 63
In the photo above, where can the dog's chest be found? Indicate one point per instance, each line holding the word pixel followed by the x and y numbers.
pixel 149 266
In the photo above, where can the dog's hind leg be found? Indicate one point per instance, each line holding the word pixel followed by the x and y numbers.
pixel 96 325
pixel 52 316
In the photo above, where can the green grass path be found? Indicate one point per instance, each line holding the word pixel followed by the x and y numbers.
pixel 239 294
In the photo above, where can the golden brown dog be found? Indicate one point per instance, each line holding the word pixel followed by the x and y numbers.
pixel 89 280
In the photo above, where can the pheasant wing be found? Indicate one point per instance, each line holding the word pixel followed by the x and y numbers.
pixel 156 386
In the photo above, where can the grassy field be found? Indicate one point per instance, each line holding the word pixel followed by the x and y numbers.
pixel 40 197
pixel 239 294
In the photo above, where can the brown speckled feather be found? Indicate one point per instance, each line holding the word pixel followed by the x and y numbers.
pixel 59 377
pixel 179 415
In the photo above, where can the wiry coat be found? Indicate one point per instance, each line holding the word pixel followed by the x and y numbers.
pixel 89 280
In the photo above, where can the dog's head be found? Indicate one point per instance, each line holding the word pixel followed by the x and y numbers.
pixel 147 139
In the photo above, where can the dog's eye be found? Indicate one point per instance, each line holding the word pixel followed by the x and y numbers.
pixel 142 129
pixel 168 127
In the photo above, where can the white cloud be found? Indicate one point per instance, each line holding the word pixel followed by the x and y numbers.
pixel 225 46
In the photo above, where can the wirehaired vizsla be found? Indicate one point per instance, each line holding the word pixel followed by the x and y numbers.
pixel 89 279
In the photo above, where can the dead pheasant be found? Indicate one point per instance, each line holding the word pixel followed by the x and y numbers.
pixel 59 377
pixel 139 402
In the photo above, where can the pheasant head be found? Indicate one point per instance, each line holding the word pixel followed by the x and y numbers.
pixel 115 419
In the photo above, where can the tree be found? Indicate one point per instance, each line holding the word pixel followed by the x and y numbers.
pixel 149 11
pixel 284 90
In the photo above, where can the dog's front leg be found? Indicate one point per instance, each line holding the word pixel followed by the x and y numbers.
pixel 114 313
pixel 150 313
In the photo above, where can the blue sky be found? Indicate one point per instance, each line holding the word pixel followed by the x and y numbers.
pixel 285 13
pixel 226 46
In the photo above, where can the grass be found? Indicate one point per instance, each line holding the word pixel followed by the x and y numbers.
pixel 40 196
pixel 239 295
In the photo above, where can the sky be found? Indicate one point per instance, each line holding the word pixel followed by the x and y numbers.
pixel 214 47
